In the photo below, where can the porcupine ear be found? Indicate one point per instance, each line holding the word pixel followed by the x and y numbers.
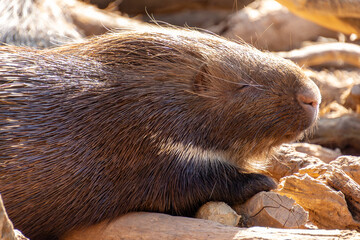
pixel 201 80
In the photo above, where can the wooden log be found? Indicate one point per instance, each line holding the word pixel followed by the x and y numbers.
pixel 155 226
pixel 330 192
pixel 267 209
pixel 340 181
pixel 340 8
pixel 6 227
pixel 338 15
pixel 288 161
pixel 19 235
pixel 197 18
pixel 334 86
pixel 170 6
pixel 270 209
pixel 327 207
pixel 94 21
pixel 338 132
pixel 352 99
pixel 350 165
pixel 324 154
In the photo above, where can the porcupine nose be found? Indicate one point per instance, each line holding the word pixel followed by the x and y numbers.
pixel 309 98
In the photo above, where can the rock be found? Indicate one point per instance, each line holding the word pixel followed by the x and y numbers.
pixel 219 212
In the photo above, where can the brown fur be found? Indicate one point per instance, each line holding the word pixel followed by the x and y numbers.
pixel 150 120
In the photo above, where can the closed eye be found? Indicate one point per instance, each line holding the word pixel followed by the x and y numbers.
pixel 241 87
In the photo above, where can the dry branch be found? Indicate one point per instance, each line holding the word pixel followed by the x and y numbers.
pixel 321 54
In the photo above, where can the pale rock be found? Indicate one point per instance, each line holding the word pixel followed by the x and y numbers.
pixel 219 212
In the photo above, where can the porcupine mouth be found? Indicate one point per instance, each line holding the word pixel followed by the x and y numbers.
pixel 290 137
pixel 299 133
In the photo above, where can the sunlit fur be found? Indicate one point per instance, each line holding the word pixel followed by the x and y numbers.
pixel 155 119
pixel 36 23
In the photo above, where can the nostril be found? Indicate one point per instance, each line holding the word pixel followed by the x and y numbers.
pixel 308 99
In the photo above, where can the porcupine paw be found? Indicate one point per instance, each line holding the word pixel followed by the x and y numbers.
pixel 254 183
